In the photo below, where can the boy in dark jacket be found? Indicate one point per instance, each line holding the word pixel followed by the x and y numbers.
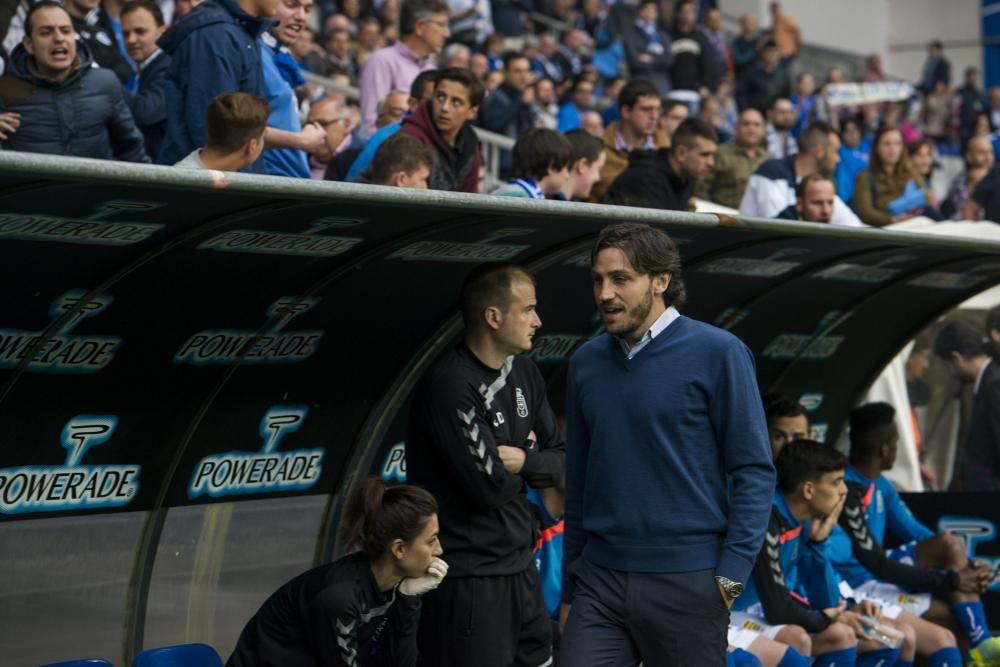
pixel 214 50
pixel 444 125
pixel 66 106
pixel 665 178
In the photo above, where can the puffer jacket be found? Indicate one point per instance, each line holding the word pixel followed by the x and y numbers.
pixel 85 115
pixel 456 168
pixel 214 50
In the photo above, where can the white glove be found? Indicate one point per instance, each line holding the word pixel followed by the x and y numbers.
pixel 420 585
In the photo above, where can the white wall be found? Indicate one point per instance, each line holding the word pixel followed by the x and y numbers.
pixel 898 30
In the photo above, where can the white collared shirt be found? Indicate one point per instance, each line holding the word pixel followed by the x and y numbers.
pixel 979 378
pixel 145 63
pixel 661 323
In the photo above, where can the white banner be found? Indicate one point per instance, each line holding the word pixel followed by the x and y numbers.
pixel 853 94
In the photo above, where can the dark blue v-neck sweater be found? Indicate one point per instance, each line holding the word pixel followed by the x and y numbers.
pixel 649 444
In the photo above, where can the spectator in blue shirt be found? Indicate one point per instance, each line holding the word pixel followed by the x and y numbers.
pixel 287 141
pixel 576 104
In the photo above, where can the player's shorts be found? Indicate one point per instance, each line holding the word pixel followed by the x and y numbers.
pixel 741 637
pixel 752 618
pixel 893 599
pixel 904 553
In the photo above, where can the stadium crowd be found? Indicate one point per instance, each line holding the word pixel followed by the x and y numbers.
pixel 646 103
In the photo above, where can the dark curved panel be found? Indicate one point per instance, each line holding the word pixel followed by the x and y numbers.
pixel 173 342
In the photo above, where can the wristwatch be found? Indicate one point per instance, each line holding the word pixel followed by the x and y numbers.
pixel 733 589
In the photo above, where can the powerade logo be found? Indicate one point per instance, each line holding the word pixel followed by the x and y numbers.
pixel 394 465
pixel 63 352
pixel 266 471
pixel 457 251
pixel 226 346
pixel 72 486
pixel 311 243
pixel 92 230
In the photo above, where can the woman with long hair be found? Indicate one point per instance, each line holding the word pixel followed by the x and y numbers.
pixel 363 609
pixel 877 190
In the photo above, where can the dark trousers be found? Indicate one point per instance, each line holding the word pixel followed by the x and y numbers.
pixel 486 622
pixel 662 619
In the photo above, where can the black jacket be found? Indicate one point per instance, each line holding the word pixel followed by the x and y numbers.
pixel 332 615
pixel 96 32
pixel 505 112
pixel 149 103
pixel 461 411
pixel 649 182
pixel 84 115
pixel 981 456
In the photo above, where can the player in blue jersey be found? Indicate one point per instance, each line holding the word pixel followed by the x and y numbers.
pixel 810 488
pixel 930 573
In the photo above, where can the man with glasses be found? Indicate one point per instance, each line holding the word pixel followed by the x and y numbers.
pixel 639 106
pixel 335 118
pixel 288 143
pixel 423 26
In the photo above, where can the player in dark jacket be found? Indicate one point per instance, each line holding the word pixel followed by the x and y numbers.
pixel 362 610
pixel 481 428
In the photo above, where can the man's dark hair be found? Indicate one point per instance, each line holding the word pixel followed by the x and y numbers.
pixel 148 5
pixel 669 104
pixel 413 11
pixel 510 57
pixel 777 406
pixel 993 319
pixel 871 425
pixel 537 151
pixel 467 79
pixel 633 90
pixel 650 251
pixel 400 152
pixel 959 337
pixel 417 87
pixel 689 130
pixel 489 285
pixel 803 461
pixel 42 4
pixel 233 119
pixel 584 146
pixel 774 102
pixel 936 44
pixel 803 185
pixel 815 134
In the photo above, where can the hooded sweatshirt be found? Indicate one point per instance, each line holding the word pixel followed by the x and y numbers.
pixel 214 51
pixel 85 115
pixel 649 182
pixel 456 168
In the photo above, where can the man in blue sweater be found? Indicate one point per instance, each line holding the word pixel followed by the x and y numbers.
pixel 661 412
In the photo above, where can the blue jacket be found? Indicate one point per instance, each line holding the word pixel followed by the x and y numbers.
pixel 659 434
pixel 214 51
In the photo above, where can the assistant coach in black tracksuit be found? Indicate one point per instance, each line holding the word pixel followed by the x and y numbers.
pixel 480 429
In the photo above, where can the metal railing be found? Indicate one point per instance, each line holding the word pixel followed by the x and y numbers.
pixel 490 143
